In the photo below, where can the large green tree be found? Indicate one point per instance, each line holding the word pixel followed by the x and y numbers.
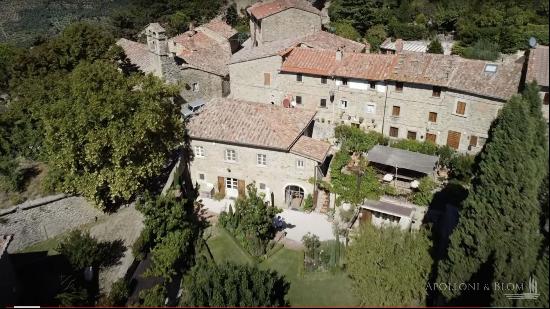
pixel 231 285
pixel 502 212
pixel 389 267
pixel 108 134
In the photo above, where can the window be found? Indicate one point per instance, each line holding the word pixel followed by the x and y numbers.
pixel 344 81
pixel 473 141
pixel 195 87
pixel 199 151
pixel 396 110
pixel 436 91
pixel 298 99
pixel 262 186
pixel 323 80
pixel 230 155
pixel 398 86
pixel 432 117
pixel 231 183
pixel 300 163
pixel 490 68
pixel 343 103
pixel 323 103
pixel 372 85
pixel 411 135
pixel 370 109
pixel 201 176
pixel 261 159
pixel 394 132
pixel 299 77
pixel 546 99
pixel 267 79
pixel 430 137
pixel 460 108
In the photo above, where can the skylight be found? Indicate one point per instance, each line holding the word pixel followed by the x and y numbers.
pixel 490 68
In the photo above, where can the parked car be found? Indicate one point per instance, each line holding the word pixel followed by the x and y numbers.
pixel 190 109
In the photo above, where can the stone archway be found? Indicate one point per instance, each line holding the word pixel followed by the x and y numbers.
pixel 294 196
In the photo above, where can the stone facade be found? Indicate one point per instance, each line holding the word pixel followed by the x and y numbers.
pixel 280 171
pixel 289 23
pixel 369 106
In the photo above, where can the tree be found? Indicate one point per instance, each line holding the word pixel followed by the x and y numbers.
pixel 231 16
pixel 8 54
pixel 153 297
pixel 501 213
pixel 231 285
pixel 81 249
pixel 345 29
pixel 252 221
pixel 424 195
pixel 388 259
pixel 435 47
pixel 168 253
pixel 110 134
pixel 376 36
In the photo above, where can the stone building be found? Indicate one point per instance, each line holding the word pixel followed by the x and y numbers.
pixel 236 143
pixel 537 70
pixel 282 19
pixel 445 99
pixel 197 59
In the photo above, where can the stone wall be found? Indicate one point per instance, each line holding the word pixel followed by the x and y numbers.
pixel 289 23
pixel 370 107
pixel 281 169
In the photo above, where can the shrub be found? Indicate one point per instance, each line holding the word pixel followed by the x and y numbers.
pixel 218 196
pixel 416 146
pixel 407 31
pixel 153 297
pixel 376 36
pixel 461 167
pixel 347 215
pixel 354 139
pixel 424 194
pixel 482 50
pixel 435 47
pixel 308 203
pixel 345 29
pixel 81 249
pixel 119 293
pixel 141 245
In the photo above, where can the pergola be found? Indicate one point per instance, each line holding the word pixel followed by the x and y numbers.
pixel 403 163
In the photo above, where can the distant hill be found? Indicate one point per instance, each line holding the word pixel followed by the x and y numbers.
pixel 23 21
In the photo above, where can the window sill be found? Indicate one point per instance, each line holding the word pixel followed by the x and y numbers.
pixel 230 162
pixel 459 115
pixel 260 165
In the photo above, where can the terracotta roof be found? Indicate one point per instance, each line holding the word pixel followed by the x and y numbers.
pixel 220 27
pixel 139 55
pixel 319 40
pixel 311 148
pixel 206 48
pixel 264 9
pixel 249 123
pixel 430 69
pixel 537 68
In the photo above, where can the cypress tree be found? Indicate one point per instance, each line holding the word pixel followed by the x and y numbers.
pixel 499 221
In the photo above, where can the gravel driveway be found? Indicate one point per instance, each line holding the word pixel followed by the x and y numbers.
pixel 298 223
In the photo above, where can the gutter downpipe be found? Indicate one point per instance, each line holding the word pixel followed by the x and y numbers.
pixel 385 105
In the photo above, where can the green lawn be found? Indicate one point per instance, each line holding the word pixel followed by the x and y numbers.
pixel 224 248
pixel 307 290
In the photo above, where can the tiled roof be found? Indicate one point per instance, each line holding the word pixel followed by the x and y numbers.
pixel 206 47
pixel 537 68
pixel 139 55
pixel 264 9
pixel 249 123
pixel 431 69
pixel 311 148
pixel 220 27
pixel 319 40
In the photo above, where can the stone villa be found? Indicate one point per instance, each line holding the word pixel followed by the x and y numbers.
pixel 537 70
pixel 196 59
pixel 236 143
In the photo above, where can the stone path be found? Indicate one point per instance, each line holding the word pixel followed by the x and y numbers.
pixel 299 223
pixel 38 224
pixel 126 225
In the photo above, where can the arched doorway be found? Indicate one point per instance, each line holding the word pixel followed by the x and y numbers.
pixel 294 196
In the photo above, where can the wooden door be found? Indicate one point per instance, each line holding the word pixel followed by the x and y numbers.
pixel 453 139
pixel 241 188
pixel 431 137
pixel 221 185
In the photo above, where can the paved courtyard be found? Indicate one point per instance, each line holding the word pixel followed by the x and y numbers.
pixel 298 223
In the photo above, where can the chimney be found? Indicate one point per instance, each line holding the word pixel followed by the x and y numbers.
pixel 339 54
pixel 398 46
